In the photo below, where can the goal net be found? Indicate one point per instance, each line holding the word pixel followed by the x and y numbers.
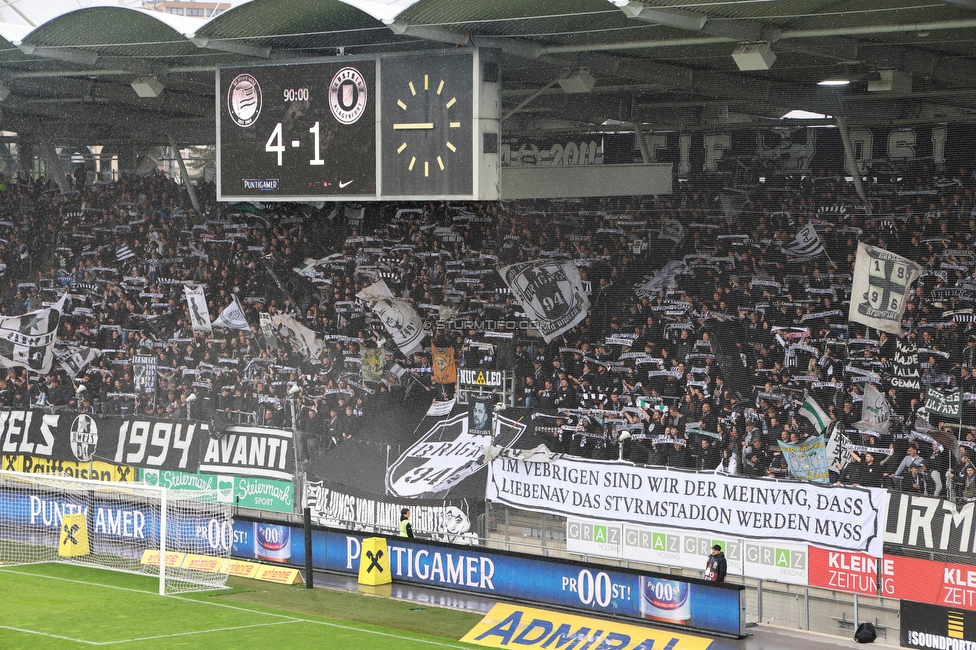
pixel 183 537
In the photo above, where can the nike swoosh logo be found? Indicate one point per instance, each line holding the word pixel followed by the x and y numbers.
pixel 341 184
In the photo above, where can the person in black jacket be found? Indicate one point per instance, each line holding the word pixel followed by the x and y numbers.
pixel 716 566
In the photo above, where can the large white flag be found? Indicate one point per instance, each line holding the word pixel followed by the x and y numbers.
pixel 28 341
pixel 551 292
pixel 875 411
pixel 196 303
pixel 405 326
pixel 806 244
pixel 302 338
pixel 882 281
pixel 232 317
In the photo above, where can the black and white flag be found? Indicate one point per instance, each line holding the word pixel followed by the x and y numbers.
pixel 232 317
pixel 905 365
pixel 882 282
pixel 124 253
pixel 806 244
pixel 551 292
pixel 196 303
pixel 28 341
pixel 673 230
pixel 144 373
pixel 398 316
pixel 302 338
pixel 75 358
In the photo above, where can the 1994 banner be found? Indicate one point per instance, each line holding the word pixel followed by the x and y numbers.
pixel 147 443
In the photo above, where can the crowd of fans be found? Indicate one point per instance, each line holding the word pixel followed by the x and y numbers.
pixel 645 377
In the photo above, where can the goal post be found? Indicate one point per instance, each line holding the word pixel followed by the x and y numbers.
pixel 183 537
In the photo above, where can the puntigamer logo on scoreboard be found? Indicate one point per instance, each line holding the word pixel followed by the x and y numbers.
pixel 263 184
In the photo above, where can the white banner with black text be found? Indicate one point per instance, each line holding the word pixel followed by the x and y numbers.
pixel 845 518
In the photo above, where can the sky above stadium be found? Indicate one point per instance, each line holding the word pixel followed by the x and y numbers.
pixel 37 12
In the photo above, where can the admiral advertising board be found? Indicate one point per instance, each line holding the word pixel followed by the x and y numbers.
pixel 690 603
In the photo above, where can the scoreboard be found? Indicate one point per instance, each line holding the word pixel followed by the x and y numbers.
pixel 360 128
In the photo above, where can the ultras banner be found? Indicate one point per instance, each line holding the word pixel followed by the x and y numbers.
pixel 844 518
pixel 147 443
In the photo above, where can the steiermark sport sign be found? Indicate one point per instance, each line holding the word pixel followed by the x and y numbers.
pixel 242 491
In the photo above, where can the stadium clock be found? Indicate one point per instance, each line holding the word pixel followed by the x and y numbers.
pixel 427 120
pixel 288 132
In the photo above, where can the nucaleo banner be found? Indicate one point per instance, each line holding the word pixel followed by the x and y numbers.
pixel 844 518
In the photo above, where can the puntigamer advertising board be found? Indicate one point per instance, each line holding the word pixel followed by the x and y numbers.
pixel 629 594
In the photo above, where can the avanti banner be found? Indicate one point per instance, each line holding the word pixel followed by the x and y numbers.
pixel 150 443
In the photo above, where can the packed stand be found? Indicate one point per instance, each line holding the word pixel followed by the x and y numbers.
pixel 646 377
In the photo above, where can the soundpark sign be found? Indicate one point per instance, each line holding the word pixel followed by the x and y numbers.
pixel 930 626
pixel 242 491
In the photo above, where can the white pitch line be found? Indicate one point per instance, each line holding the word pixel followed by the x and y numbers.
pixel 386 634
pixel 289 619
pixel 52 636
pixel 216 629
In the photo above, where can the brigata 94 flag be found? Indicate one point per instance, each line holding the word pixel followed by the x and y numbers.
pixel 882 281
pixel 551 293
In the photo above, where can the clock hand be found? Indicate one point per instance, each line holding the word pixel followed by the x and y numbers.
pixel 413 126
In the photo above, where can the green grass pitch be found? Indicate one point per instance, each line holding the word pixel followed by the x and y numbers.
pixel 62 606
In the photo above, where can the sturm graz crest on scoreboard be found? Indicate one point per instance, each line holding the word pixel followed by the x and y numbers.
pixel 244 100
pixel 84 437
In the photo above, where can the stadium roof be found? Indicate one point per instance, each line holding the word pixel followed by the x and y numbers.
pixel 663 64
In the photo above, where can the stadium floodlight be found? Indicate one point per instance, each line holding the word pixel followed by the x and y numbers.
pixel 181 536
pixel 147 86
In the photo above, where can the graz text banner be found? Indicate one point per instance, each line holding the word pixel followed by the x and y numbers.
pixel 844 518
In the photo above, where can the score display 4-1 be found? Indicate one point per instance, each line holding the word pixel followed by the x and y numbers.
pixel 297 131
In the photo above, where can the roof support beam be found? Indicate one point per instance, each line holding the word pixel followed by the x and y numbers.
pixel 234 47
pixel 512 46
pixel 67 54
